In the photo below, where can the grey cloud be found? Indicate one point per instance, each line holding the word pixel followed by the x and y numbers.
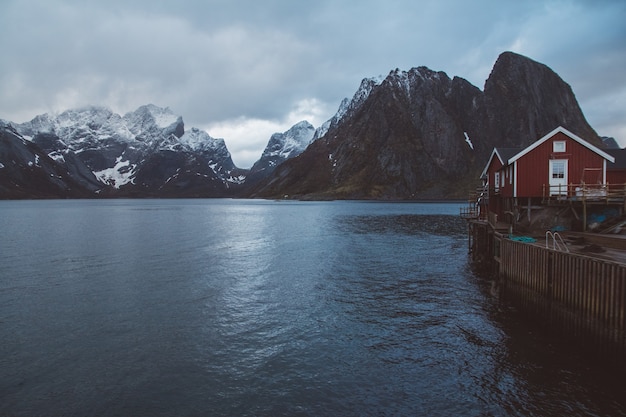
pixel 224 60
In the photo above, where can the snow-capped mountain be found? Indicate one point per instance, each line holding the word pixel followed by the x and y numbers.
pixel 26 171
pixel 144 152
pixel 149 122
pixel 281 146
pixel 412 134
pixel 348 107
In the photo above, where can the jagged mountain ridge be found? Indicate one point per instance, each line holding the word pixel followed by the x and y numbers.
pixel 412 134
pixel 420 134
pixel 26 171
pixel 610 142
pixel 147 152
pixel 281 146
pixel 143 153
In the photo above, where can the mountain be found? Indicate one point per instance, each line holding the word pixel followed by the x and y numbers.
pixel 419 134
pixel 610 142
pixel 146 152
pixel 281 146
pixel 415 134
pixel 28 172
pixel 524 100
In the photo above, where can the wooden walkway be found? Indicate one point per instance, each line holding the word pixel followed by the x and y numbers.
pixel 600 246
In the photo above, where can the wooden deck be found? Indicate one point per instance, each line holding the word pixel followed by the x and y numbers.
pixel 599 246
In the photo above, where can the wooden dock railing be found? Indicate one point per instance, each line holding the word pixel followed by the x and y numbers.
pixel 585 297
pixel 585 192
pixel 476 204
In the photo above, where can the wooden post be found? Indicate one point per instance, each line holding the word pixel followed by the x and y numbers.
pixel 469 236
pixel 584 210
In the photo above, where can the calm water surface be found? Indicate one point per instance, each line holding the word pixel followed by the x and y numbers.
pixel 228 307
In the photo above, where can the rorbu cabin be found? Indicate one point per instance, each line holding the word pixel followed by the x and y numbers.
pixel 558 168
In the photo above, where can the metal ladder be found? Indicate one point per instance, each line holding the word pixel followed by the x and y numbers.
pixel 557 241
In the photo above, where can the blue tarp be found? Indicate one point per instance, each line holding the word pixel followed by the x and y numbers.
pixel 526 239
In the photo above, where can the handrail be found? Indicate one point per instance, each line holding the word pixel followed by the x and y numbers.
pixel 584 192
pixel 556 237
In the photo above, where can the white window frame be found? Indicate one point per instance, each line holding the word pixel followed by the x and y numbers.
pixel 558 146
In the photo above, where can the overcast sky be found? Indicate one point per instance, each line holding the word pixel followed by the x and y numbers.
pixel 244 69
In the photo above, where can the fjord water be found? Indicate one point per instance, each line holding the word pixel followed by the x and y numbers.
pixel 240 307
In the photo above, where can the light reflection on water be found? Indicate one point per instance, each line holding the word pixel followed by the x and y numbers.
pixel 220 307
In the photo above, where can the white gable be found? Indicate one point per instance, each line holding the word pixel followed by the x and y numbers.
pixel 493 153
pixel 568 134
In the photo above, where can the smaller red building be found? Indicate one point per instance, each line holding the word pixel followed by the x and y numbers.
pixel 558 166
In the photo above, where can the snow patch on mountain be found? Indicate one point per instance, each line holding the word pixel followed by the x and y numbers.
pixel 57 156
pixel 469 142
pixel 238 179
pixel 163 117
pixel 199 140
pixel 349 106
pixel 120 174
pixel 150 121
pixel 290 143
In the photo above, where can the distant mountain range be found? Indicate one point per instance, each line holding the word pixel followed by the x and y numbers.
pixel 145 153
pixel 414 134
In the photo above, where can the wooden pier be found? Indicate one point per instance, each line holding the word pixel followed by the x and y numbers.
pixel 580 296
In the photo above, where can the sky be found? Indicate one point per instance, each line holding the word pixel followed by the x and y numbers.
pixel 245 69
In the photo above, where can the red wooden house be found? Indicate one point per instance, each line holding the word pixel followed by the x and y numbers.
pixel 558 166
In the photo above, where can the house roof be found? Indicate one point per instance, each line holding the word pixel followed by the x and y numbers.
pixel 566 132
pixel 507 156
pixel 503 154
pixel 494 153
pixel 507 153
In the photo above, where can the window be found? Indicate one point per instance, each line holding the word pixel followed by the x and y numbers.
pixel 497 180
pixel 558 146
pixel 558 169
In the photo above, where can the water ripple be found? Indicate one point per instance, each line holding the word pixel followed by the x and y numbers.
pixel 220 307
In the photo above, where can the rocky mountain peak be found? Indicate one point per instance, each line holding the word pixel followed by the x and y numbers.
pixel 281 147
pixel 420 134
pixel 197 139
pixel 149 120
pixel 539 98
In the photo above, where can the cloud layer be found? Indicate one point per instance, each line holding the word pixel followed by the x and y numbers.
pixel 243 70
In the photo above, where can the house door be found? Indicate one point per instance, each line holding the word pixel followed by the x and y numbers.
pixel 558 177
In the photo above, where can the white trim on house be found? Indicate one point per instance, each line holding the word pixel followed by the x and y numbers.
pixel 558 185
pixel 515 179
pixel 566 132
pixel 494 152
